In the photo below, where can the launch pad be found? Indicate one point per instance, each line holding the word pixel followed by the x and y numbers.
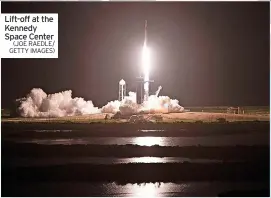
pixel 141 95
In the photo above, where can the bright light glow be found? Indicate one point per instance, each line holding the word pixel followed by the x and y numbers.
pixel 122 82
pixel 146 69
pixel 148 141
pixel 146 190
pixel 146 62
pixel 147 160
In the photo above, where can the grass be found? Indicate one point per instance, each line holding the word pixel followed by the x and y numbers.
pixel 116 121
pixel 223 109
pixel 58 120
pixel 209 115
pixel 212 118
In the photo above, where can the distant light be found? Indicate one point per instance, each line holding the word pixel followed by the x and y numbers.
pixel 122 82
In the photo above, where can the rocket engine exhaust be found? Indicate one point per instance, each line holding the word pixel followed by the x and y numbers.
pixel 146 65
pixel 39 104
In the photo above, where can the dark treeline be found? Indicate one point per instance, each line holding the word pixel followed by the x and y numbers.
pixel 123 126
pixel 248 153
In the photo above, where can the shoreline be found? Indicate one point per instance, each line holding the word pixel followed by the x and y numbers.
pixel 165 118
pixel 247 153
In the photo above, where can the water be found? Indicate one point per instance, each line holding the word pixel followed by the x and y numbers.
pixel 223 140
pixel 72 130
pixel 131 190
pixel 102 160
pixel 140 190
pixel 54 130
pixel 154 130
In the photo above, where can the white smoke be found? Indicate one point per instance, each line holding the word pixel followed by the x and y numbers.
pixel 155 104
pixel 126 107
pixel 111 107
pixel 39 104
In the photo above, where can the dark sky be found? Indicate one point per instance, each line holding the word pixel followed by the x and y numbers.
pixel 202 53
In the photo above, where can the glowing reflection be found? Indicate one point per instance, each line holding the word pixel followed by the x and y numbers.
pixel 146 160
pixel 158 189
pixel 64 141
pixel 148 141
pixel 151 130
pixel 146 190
pixel 47 130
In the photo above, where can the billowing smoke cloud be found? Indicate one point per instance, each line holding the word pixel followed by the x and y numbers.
pixel 39 104
pixel 125 107
pixel 155 104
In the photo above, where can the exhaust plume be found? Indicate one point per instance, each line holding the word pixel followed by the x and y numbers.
pixel 38 104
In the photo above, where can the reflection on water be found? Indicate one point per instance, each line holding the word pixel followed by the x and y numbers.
pixel 223 140
pixel 183 189
pixel 148 141
pixel 146 190
pixel 151 130
pixel 54 130
pixel 186 189
pixel 103 160
pixel 151 160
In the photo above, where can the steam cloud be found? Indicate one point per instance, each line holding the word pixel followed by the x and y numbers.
pixel 38 104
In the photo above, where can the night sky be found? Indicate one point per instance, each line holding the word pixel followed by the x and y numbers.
pixel 202 53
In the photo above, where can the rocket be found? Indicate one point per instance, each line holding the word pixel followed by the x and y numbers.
pixel 146 36
pixel 144 44
pixel 144 79
pixel 146 72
